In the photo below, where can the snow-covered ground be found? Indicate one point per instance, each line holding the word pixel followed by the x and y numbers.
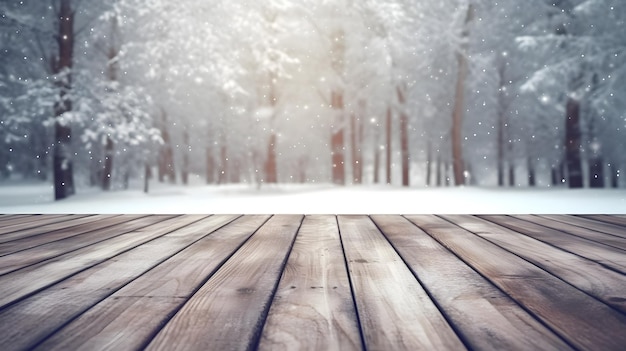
pixel 312 199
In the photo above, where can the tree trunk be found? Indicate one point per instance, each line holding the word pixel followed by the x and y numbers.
pixel 376 162
pixel 185 169
pixel 614 175
pixel 166 154
pixel 429 158
pixel 388 128
pixel 511 174
pixel 596 172
pixel 210 166
pixel 404 136
pixel 147 175
pixel 447 173
pixel 337 140
pixel 457 112
pixel 438 169
pixel 222 175
pixel 573 143
pixel 356 141
pixel 532 173
pixel 555 176
pixel 62 65
pixel 107 171
pixel 271 175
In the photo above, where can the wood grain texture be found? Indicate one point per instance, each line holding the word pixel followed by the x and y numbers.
pixel 619 220
pixel 8 220
pixel 38 226
pixel 590 222
pixel 606 285
pixel 486 317
pixel 589 234
pixel 62 302
pixel 228 311
pixel 25 258
pixel 581 320
pixel 127 319
pixel 63 237
pixel 23 282
pixel 313 307
pixel 606 255
pixel 394 310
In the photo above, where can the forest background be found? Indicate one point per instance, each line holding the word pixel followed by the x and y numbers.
pixel 403 92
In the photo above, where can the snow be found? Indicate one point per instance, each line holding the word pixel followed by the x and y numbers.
pixel 313 199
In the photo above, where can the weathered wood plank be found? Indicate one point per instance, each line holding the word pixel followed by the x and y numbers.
pixel 589 234
pixel 37 225
pixel 605 255
pixel 63 302
pixel 20 219
pixel 483 315
pixel 228 311
pixel 128 318
pixel 25 258
pixel 588 222
pixel 60 236
pixel 616 220
pixel 583 321
pixel 313 307
pixel 589 276
pixel 394 310
pixel 19 284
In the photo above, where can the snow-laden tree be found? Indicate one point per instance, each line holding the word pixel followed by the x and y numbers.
pixel 582 47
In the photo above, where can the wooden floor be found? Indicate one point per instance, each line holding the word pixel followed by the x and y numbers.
pixel 287 282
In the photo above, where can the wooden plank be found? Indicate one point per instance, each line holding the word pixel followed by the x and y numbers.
pixel 606 285
pixel 110 228
pixel 228 311
pixel 128 318
pixel 36 317
pixel 581 320
pixel 394 310
pixel 313 307
pixel 591 224
pixel 588 234
pixel 485 317
pixel 37 225
pixel 20 219
pixel 19 284
pixel 614 219
pixel 605 255
pixel 61 236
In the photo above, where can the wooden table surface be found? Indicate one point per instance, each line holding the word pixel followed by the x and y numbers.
pixel 320 282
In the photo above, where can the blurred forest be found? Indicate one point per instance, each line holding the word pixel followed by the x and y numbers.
pixel 404 92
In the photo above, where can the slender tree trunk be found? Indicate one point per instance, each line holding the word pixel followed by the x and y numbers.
pixel 185 169
pixel 438 169
pixel 447 173
pixel 614 169
pixel 107 171
pixel 573 143
pixel 62 65
pixel 210 166
pixel 337 140
pixel 166 154
pixel 429 158
pixel 511 174
pixel 404 136
pixel 222 175
pixel 356 141
pixel 271 175
pixel 376 162
pixel 596 172
pixel 532 173
pixel 147 175
pixel 388 128
pixel 554 175
pixel 457 112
